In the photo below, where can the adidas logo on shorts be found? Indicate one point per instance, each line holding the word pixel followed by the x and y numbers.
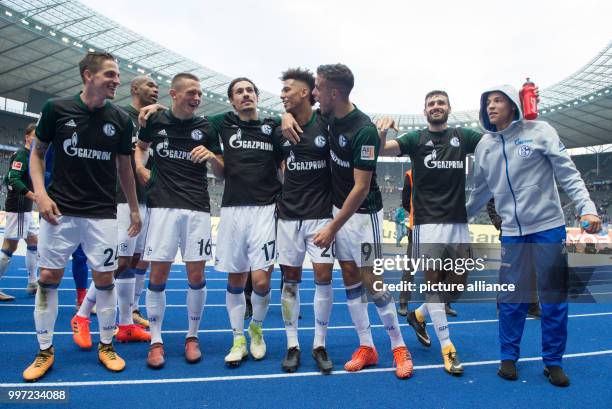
pixel 70 124
pixel 162 132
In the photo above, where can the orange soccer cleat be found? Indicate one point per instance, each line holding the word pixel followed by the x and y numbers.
pixel 362 357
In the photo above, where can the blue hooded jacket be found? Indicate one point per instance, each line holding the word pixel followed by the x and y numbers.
pixel 520 167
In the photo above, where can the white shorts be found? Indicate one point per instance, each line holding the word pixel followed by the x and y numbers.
pixel 20 226
pixel 98 237
pixel 360 239
pixel 171 229
pixel 247 238
pixel 130 245
pixel 438 234
pixel 294 239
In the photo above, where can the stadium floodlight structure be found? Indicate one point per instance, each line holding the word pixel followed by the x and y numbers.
pixel 42 41
pixel 46 38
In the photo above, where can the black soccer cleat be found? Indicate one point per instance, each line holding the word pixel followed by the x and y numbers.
pixel 419 329
pixel 324 364
pixel 291 362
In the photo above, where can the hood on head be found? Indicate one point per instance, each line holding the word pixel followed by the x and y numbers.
pixel 511 93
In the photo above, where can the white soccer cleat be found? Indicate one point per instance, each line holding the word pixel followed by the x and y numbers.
pixel 258 345
pixel 238 352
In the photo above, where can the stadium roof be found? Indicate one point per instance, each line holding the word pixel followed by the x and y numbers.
pixel 41 43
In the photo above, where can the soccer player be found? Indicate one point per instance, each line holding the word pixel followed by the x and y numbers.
pixel 438 198
pixel 304 208
pixel 19 220
pixel 92 143
pixel 519 164
pixel 179 206
pixel 246 240
pixel 130 274
pixel 357 213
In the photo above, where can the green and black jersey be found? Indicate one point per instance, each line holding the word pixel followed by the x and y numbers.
pixel 438 173
pixel 252 155
pixel 18 182
pixel 354 144
pixel 140 189
pixel 307 192
pixel 85 147
pixel 176 182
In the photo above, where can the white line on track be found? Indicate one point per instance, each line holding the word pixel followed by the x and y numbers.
pixel 338 327
pixel 268 376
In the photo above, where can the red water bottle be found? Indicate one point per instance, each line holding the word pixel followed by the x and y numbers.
pixel 529 100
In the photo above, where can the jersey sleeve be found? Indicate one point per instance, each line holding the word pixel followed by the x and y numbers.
pixel 45 128
pixel 216 122
pixel 471 138
pixel 366 145
pixel 213 144
pixel 408 142
pixel 125 139
pixel 18 169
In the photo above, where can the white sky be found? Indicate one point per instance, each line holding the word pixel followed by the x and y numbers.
pixel 398 50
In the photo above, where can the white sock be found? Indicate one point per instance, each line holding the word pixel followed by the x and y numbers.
pixel 196 298
pixel 323 301
pixel 139 275
pixel 106 298
pixel 439 322
pixel 260 307
pixel 422 310
pixel 156 307
pixel 388 315
pixel 358 308
pixel 236 305
pixel 5 260
pixel 125 298
pixel 31 263
pixel 88 302
pixel 290 306
pixel 45 314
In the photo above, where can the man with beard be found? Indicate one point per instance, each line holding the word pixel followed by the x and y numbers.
pixel 438 199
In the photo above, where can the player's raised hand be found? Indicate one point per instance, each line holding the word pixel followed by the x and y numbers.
pixel 290 128
pixel 48 208
pixel 135 223
pixel 384 124
pixel 200 154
